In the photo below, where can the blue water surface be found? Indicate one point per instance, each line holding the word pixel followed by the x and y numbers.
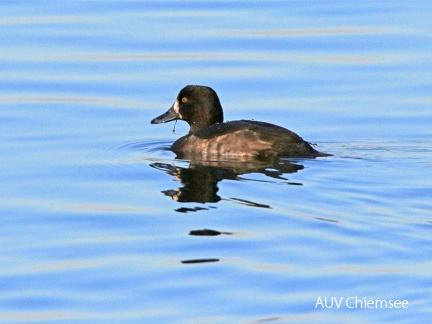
pixel 101 223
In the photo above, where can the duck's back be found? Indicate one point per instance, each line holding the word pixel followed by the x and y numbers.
pixel 244 138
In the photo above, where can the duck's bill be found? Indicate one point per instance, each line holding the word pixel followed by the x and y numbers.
pixel 170 115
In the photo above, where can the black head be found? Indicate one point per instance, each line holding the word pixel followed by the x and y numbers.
pixel 199 106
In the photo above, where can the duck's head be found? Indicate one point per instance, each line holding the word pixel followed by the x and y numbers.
pixel 199 106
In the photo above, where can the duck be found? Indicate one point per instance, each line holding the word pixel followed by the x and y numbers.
pixel 210 137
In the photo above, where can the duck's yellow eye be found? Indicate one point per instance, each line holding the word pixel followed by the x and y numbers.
pixel 184 99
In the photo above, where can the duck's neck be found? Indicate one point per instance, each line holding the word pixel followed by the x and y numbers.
pixel 200 123
pixel 196 126
pixel 206 117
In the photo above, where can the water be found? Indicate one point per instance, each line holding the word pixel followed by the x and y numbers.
pixel 100 223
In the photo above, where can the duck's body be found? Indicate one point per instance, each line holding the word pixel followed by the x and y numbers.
pixel 243 138
pixel 209 137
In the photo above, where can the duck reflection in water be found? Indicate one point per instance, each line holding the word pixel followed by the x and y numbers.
pixel 200 179
pixel 220 150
